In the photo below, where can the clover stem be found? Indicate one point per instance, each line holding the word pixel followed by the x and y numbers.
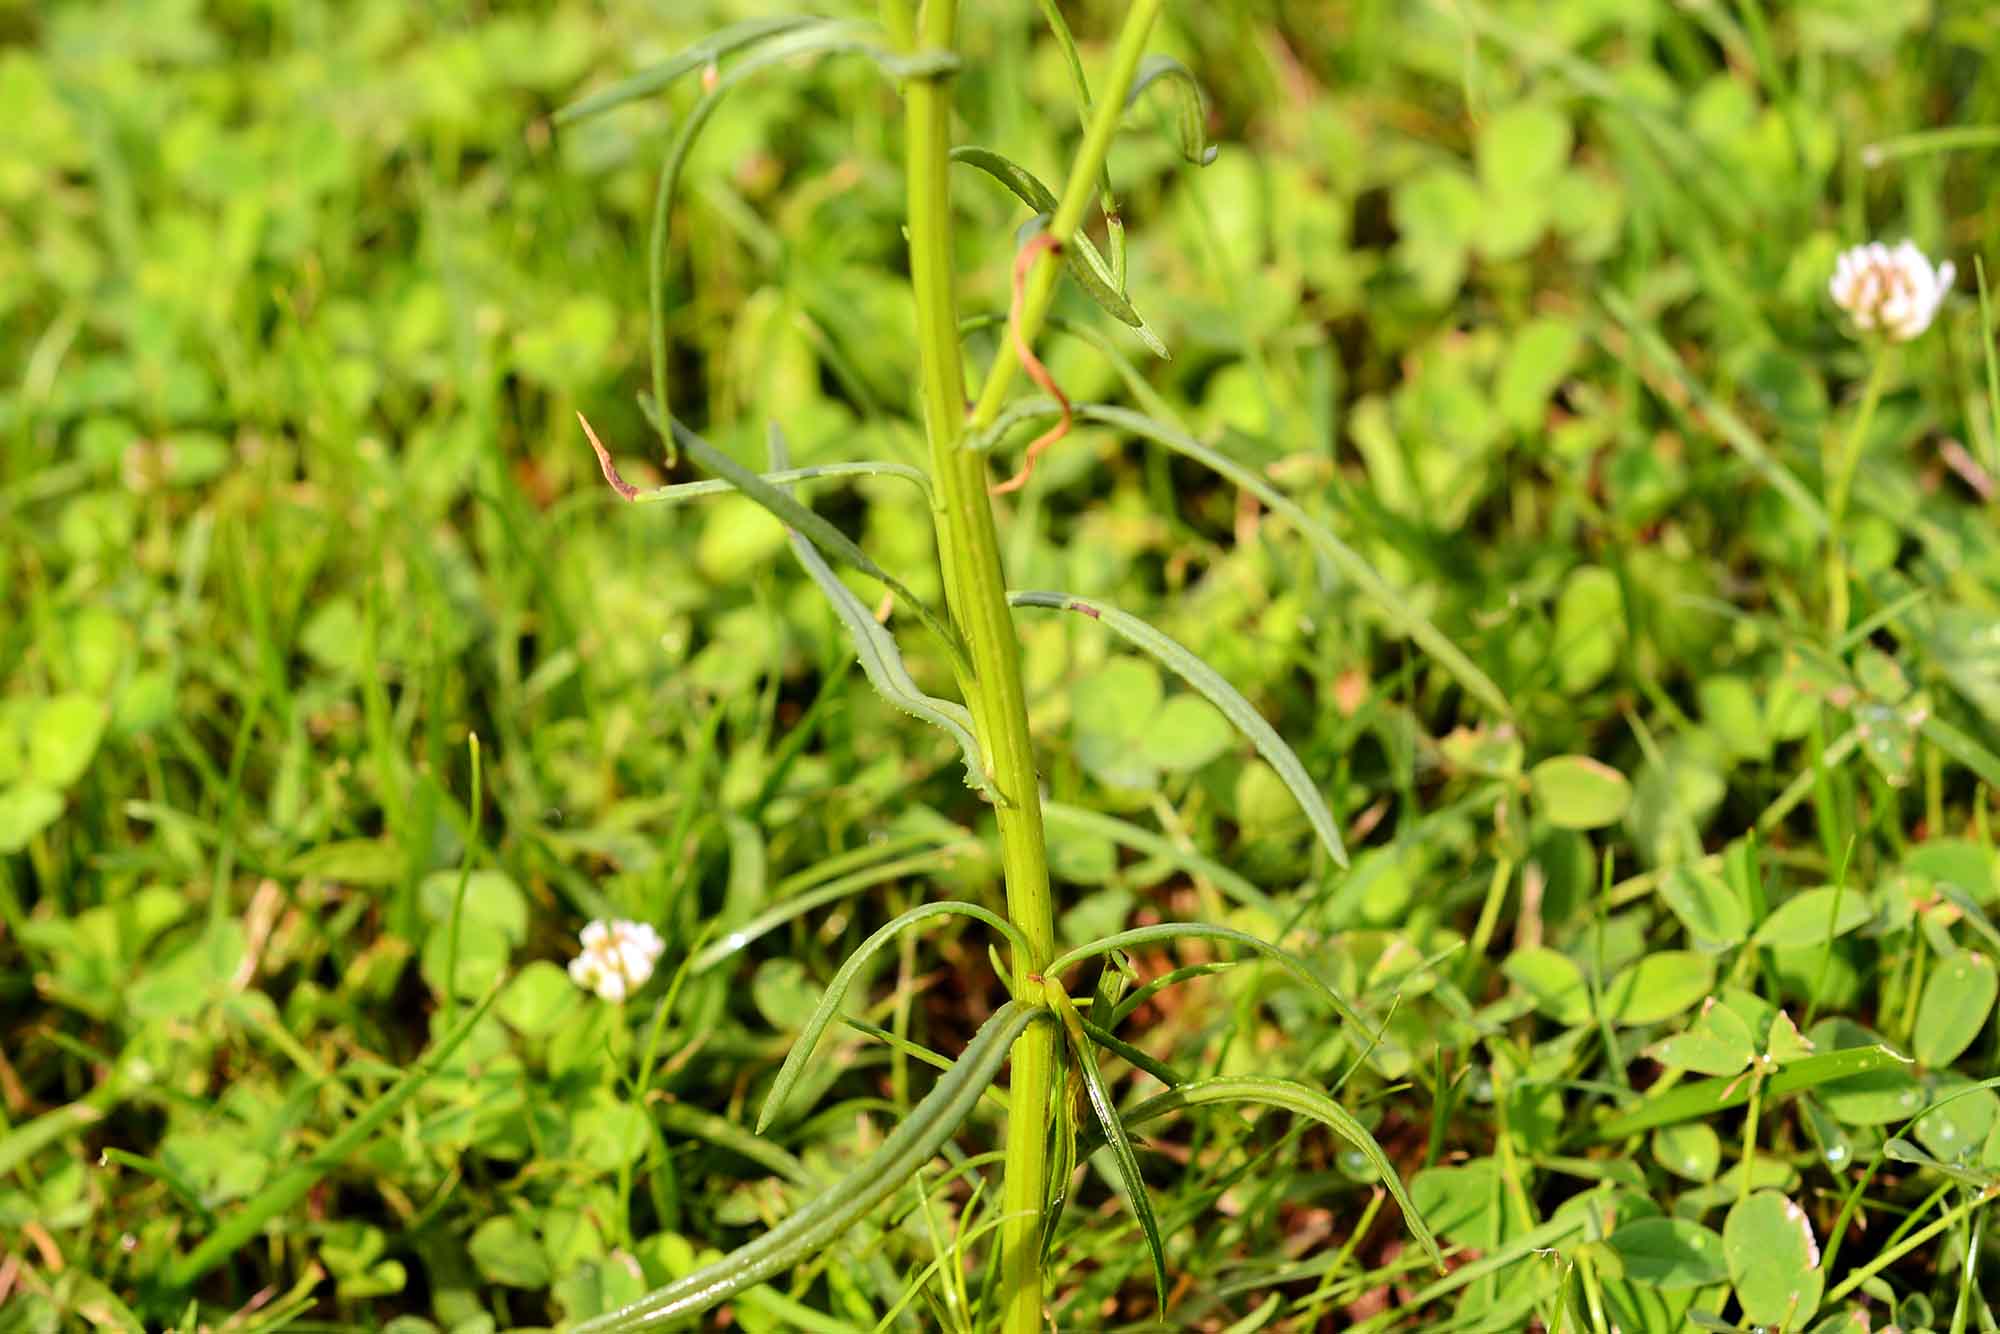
pixel 1840 484
pixel 1747 1167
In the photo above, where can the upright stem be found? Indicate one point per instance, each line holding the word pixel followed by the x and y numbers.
pixel 977 591
pixel 969 551
pixel 1840 485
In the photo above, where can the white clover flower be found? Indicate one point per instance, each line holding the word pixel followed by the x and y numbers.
pixel 1896 291
pixel 617 958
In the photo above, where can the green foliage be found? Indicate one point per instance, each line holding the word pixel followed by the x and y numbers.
pixel 1479 440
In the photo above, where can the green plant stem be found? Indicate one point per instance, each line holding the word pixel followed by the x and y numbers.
pixel 1840 485
pixel 1085 175
pixel 969 550
pixel 1750 1135
pixel 1908 1244
pixel 975 587
pixel 1489 918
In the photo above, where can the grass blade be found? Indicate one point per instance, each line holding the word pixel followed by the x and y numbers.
pixel 290 1188
pixel 1120 1143
pixel 1301 1100
pixel 1351 564
pixel 1178 659
pixel 836 990
pixel 1148 935
pixel 825 1217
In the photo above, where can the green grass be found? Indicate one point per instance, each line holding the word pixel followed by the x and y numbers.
pixel 1508 327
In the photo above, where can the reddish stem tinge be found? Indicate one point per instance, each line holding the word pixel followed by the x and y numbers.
pixel 1033 364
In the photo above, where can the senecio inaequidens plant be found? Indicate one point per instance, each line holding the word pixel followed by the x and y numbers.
pixel 1049 1040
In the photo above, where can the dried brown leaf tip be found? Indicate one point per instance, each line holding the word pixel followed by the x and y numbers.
pixel 618 484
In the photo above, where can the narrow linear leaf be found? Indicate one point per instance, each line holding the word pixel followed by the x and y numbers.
pixel 822 534
pixel 1062 1136
pixel 881 661
pixel 1085 108
pixel 1300 1100
pixel 917 1051
pixel 1949 139
pixel 836 990
pixel 1113 1130
pixel 1688 1102
pixel 883 665
pixel 1171 978
pixel 1190 115
pixel 1163 931
pixel 1029 188
pixel 1072 58
pixel 292 1186
pixel 1178 659
pixel 1085 262
pixel 1351 564
pixel 1138 1058
pixel 828 1215
pixel 660 77
pixel 680 492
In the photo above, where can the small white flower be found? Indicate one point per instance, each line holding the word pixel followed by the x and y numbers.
pixel 617 958
pixel 1896 291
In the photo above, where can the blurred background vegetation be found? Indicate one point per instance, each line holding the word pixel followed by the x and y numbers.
pixel 297 303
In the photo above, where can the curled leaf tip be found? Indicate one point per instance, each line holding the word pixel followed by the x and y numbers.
pixel 618 484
